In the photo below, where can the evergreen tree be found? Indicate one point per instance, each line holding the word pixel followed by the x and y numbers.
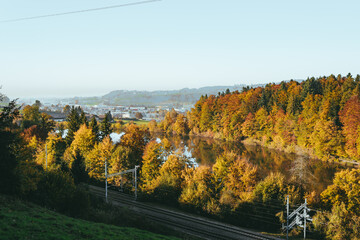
pixel 95 128
pixel 106 125
pixel 78 168
pixel 73 120
pixel 83 119
pixel 8 137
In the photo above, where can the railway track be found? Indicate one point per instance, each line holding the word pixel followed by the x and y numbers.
pixel 193 225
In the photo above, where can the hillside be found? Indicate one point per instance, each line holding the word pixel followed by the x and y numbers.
pixel 319 116
pixel 175 98
pixel 22 220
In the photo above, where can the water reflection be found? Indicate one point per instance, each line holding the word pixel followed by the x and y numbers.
pixel 312 174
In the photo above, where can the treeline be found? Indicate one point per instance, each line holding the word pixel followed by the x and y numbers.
pixel 319 116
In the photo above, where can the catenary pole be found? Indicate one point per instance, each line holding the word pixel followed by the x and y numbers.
pixel 46 157
pixel 106 189
pixel 287 217
pixel 136 167
pixel 305 219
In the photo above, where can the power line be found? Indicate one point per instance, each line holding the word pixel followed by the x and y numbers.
pixel 79 11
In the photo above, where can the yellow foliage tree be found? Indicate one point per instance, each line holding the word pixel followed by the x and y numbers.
pixel 152 160
pixel 95 160
pixel 199 190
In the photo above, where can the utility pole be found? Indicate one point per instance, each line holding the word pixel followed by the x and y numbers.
pixel 105 181
pixel 134 179
pixel 287 217
pixel 305 219
pixel 299 219
pixel 136 167
pixel 46 160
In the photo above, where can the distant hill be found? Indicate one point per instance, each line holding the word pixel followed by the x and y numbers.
pixel 175 98
pixel 4 99
pixel 185 97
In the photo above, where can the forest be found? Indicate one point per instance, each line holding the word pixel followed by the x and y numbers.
pixel 317 117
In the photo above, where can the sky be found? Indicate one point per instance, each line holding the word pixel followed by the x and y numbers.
pixel 172 44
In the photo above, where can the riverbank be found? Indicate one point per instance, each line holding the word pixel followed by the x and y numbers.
pixel 280 146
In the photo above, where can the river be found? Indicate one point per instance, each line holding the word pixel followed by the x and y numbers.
pixel 313 174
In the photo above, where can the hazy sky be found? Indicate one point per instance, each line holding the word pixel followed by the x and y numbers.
pixel 172 44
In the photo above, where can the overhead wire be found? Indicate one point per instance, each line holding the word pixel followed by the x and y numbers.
pixel 79 11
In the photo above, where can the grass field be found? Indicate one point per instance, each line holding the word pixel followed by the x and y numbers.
pixel 138 122
pixel 23 220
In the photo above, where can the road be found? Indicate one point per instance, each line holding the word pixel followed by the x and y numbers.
pixel 190 224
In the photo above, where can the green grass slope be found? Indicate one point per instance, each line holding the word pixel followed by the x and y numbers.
pixel 23 220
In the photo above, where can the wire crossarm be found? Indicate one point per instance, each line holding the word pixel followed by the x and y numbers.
pixel 299 216
pixel 133 170
pixel 120 173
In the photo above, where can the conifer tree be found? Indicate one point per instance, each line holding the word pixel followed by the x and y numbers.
pixel 83 119
pixel 73 120
pixel 106 125
pixel 95 128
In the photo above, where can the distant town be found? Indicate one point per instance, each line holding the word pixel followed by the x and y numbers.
pixel 144 105
pixel 58 111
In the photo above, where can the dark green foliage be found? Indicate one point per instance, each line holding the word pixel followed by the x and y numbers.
pixel 265 99
pixel 78 170
pixel 74 123
pixel 83 119
pixel 105 126
pixel 8 138
pixel 95 128
pixel 311 86
pixel 56 189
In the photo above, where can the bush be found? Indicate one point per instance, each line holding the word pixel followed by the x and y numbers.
pixel 57 190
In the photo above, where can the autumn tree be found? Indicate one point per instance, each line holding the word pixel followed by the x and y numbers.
pixel 95 159
pixel 152 125
pixel 248 127
pixel 168 184
pixel 342 220
pixel 205 118
pixel 337 224
pixel 152 160
pixel 241 179
pixel 181 125
pixel 55 149
pixel 134 142
pixel 169 120
pixel 344 190
pixel 84 141
pixel 31 116
pixel 350 118
pixel 138 115
pixel 199 190
pixel 66 109
pixel 275 188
